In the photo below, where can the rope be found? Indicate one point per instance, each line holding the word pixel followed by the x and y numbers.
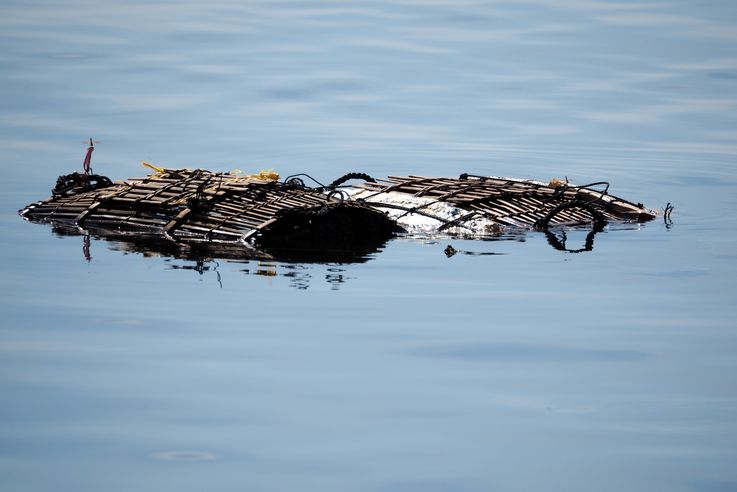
pixel 76 182
pixel 413 210
pixel 667 212
pixel 599 220
pixel 350 176
pixel 339 194
pixel 292 179
pixel 459 221
pixel 88 159
pixel 297 183
pixel 465 176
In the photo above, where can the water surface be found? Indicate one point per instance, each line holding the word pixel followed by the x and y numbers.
pixel 529 369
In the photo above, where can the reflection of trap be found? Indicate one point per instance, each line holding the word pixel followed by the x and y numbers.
pixel 234 215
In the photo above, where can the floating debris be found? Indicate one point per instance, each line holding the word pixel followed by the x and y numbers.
pixel 235 215
pixel 480 205
pixel 223 210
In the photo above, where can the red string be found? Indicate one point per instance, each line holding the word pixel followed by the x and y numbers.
pixel 88 159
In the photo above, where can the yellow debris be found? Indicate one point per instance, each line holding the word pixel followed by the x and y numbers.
pixel 265 175
pixel 237 174
pixel 159 170
pixel 555 182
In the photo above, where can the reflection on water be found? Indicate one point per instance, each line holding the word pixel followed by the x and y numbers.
pixel 185 456
pixel 156 245
pixel 558 239
pixel 200 266
pixel 299 274
pixel 204 261
pixel 537 354
pixel 86 248
pixel 300 266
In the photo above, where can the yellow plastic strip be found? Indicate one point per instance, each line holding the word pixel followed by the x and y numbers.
pixel 159 170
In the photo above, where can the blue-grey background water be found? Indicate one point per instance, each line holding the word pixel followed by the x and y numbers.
pixel 535 370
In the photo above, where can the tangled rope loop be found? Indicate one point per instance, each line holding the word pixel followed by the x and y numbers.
pixel 348 177
pixel 339 194
pixel 78 182
pixel 596 215
pixel 295 183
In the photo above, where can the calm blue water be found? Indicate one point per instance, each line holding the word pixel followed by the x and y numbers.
pixel 531 370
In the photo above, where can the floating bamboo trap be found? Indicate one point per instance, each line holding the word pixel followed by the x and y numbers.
pixel 252 213
pixel 196 206
pixel 475 205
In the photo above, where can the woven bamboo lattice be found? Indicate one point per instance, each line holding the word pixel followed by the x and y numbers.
pixel 198 205
pixel 177 210
pixel 510 202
